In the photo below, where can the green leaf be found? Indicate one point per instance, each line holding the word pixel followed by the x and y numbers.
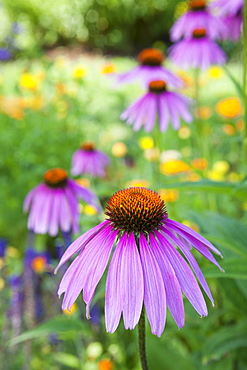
pixel 234 295
pixel 67 359
pixel 224 341
pixel 223 231
pixel 59 324
pixel 210 186
pixel 235 268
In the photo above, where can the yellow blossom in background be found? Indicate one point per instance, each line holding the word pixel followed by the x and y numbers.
pixel 234 177
pixel 240 125
pixel 229 108
pixel 79 72
pixel 119 149
pixel 184 132
pixel 2 284
pixel 203 112
pixel 174 167
pixel 108 68
pixel 94 350
pixel 221 167
pixel 1 263
pixel 152 154
pixel 199 163
pixel 215 176
pixel 83 182
pixel 146 142
pixel 192 225
pixel 228 129
pixel 105 364
pixel 168 195
pixel 180 9
pixel 138 182
pixel 60 62
pixel 72 310
pixel 60 88
pixel 215 72
pixel 12 252
pixel 39 264
pixel 89 210
pixel 29 82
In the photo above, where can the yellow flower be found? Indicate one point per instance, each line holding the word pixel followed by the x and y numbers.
pixel 79 72
pixel 215 72
pixel 192 225
pixel 29 82
pixel 168 195
pixel 203 112
pixel 138 182
pixel 199 163
pixel 233 177
pixel 89 210
pixel 152 154
pixel 105 364
pixel 119 149
pixel 229 108
pixel 174 167
pixel 2 284
pixel 108 68
pixel 39 264
pixel 83 182
pixel 1 263
pixel 94 350
pixel 12 252
pixel 228 129
pixel 187 80
pixel 215 176
pixel 72 310
pixel 184 132
pixel 221 167
pixel 146 142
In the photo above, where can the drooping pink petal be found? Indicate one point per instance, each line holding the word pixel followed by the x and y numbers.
pixel 126 281
pixel 29 197
pixel 80 243
pixel 172 288
pixel 91 266
pixel 154 290
pixel 192 262
pixel 184 275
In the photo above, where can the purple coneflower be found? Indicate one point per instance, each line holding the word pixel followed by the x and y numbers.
pixel 197 52
pixel 166 106
pixel 89 160
pixel 232 13
pixel 54 204
pixel 146 267
pixel 150 68
pixel 197 16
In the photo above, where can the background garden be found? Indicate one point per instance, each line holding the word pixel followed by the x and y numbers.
pixel 57 91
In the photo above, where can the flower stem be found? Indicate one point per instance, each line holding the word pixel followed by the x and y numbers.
pixel 141 339
pixel 245 81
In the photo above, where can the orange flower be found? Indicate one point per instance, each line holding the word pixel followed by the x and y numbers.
pixel 174 167
pixel 105 364
pixel 240 125
pixel 229 107
pixel 228 129
pixel 39 264
pixel 203 112
pixel 199 163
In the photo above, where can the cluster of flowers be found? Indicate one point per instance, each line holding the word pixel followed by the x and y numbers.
pixel 146 268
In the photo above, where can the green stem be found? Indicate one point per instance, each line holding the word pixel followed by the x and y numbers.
pixel 141 339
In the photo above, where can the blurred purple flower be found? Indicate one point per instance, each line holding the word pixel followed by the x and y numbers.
pixel 146 267
pixel 227 7
pixel 3 246
pixel 198 16
pixel 5 54
pixel 150 68
pixel 54 204
pixel 166 106
pixel 197 52
pixel 89 160
pixel 234 27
